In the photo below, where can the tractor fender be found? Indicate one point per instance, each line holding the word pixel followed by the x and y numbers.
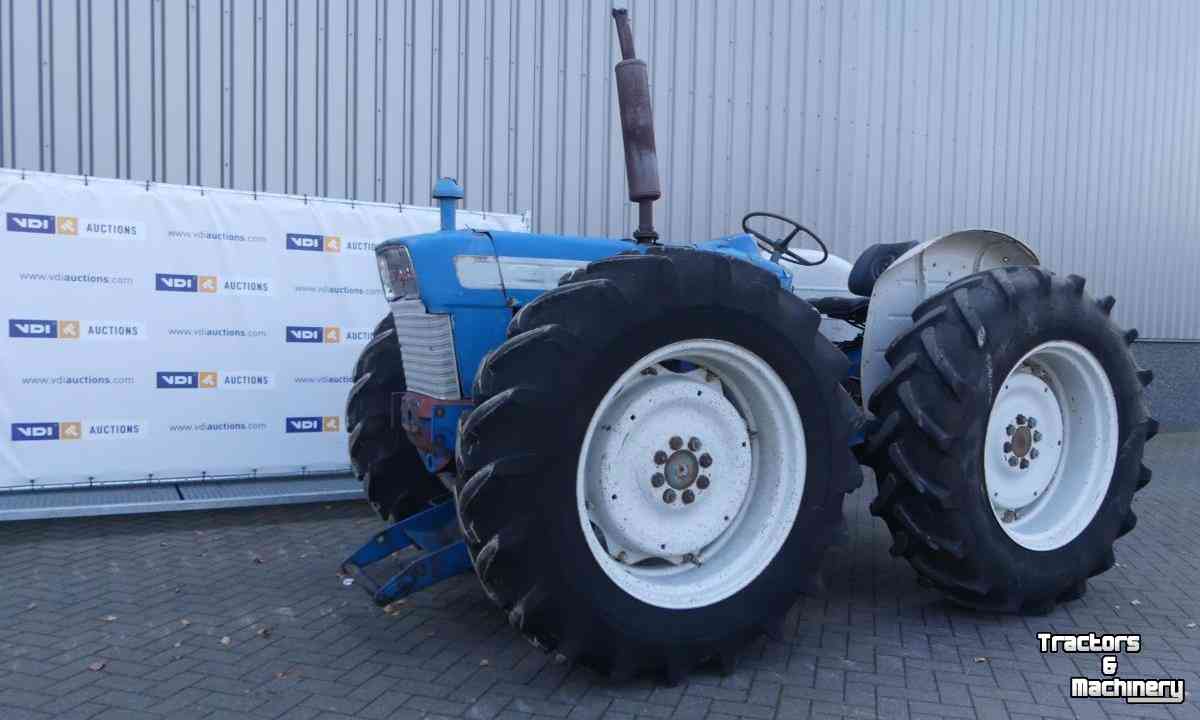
pixel 923 271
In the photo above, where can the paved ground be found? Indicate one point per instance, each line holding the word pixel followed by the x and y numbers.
pixel 239 614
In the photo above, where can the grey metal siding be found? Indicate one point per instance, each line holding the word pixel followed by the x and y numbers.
pixel 1069 123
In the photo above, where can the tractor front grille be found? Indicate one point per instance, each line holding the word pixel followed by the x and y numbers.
pixel 427 346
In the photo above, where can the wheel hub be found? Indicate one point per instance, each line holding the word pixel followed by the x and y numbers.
pixel 682 469
pixel 656 496
pixel 691 473
pixel 1022 442
pixel 1025 459
pixel 1051 445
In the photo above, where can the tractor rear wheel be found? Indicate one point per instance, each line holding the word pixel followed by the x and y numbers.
pixel 657 461
pixel 394 478
pixel 1010 437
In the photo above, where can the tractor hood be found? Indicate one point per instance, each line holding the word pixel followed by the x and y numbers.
pixel 526 265
pixel 470 268
pixel 478 279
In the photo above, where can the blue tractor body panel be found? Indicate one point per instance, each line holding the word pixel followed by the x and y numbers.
pixel 480 315
pixel 743 247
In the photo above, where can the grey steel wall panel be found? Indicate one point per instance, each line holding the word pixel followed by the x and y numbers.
pixel 1069 123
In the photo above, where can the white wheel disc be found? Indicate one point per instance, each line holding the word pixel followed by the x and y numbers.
pixel 1051 445
pixel 691 473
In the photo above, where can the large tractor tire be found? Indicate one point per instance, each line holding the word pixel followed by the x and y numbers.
pixel 657 461
pixel 394 478
pixel 1009 441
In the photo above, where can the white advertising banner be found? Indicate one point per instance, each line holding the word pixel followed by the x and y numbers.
pixel 158 331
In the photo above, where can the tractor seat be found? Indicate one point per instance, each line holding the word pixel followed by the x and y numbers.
pixel 852 309
pixel 871 264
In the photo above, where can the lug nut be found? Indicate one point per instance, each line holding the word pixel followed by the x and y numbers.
pixel 657 480
pixel 1024 463
pixel 1033 452
pixel 1020 419
pixel 1007 447
pixel 705 460
pixel 1032 422
pixel 668 495
pixel 688 497
pixel 702 482
pixel 676 442
pixel 694 444
pixel 1010 430
pixel 660 458
pixel 1012 461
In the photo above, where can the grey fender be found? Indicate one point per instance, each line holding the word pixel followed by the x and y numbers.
pixel 920 273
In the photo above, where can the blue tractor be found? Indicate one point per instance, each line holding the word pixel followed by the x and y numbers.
pixel 642 448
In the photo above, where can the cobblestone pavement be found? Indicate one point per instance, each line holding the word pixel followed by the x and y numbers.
pixel 239 614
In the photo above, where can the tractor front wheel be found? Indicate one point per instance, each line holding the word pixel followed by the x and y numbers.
pixel 394 478
pixel 657 461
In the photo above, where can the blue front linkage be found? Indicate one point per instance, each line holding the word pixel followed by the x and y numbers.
pixel 433 531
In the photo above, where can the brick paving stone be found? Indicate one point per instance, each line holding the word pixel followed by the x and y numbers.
pixel 876 644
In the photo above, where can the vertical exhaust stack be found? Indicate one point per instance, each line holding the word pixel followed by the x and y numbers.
pixel 637 130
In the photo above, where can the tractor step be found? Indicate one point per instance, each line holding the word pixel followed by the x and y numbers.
pixel 435 532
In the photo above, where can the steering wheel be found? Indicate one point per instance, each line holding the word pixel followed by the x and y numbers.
pixel 779 248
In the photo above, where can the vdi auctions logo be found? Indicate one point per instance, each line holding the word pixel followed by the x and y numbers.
pixel 175 282
pixel 212 379
pixel 76 430
pixel 314 243
pixel 313 334
pixel 185 379
pixel 44 329
pixel 75 329
pixel 326 334
pixel 22 432
pixel 42 224
pixel 315 423
pixel 171 282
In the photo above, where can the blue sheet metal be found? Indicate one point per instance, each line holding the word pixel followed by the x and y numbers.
pixel 743 247
pixel 435 532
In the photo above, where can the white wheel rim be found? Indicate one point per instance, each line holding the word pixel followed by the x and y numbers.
pixel 679 552
pixel 1051 445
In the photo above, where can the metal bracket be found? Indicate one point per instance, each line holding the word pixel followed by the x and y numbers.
pixel 435 532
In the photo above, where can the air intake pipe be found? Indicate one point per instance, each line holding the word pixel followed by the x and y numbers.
pixel 637 130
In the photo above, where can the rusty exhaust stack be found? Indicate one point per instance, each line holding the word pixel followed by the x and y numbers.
pixel 637 129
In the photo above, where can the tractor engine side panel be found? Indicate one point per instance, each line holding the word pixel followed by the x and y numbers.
pixel 445 332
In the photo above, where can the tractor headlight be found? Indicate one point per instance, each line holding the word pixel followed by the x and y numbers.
pixel 397 273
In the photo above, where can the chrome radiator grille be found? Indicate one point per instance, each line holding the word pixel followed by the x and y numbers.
pixel 427 345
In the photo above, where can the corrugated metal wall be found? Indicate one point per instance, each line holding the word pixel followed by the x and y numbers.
pixel 1070 123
